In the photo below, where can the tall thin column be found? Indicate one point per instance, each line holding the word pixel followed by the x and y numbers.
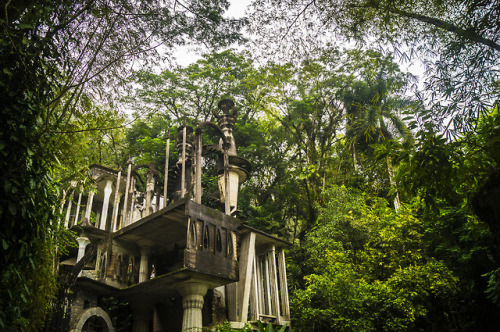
pixel 63 201
pixel 165 183
pixel 127 190
pixel 132 202
pixel 144 267
pixel 75 222
pixel 116 204
pixel 105 203
pixel 88 208
pixel 82 244
pixel 183 169
pixel 245 283
pixel 285 307
pixel 68 212
pixel 227 187
pixel 199 147
pixel 192 302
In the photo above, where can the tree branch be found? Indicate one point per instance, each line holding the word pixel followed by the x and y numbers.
pixel 467 34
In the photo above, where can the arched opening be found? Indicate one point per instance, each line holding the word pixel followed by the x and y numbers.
pixel 95 324
pixel 93 320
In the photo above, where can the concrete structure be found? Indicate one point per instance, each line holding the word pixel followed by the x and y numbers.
pixel 179 264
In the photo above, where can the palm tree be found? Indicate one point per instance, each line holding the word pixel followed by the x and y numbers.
pixel 372 118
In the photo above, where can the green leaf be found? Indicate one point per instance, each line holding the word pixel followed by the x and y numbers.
pixel 7 185
pixel 12 208
pixel 5 245
pixel 6 71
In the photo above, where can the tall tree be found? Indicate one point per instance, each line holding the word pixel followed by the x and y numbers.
pixel 374 104
pixel 458 41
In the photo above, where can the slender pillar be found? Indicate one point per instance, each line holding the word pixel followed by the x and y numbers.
pixel 199 147
pixel 183 175
pixel 116 212
pixel 127 190
pixel 105 203
pixel 245 283
pixel 116 203
pixel 78 207
pixel 227 201
pixel 144 267
pixel 285 307
pixel 273 276
pixel 63 202
pixel 150 190
pixel 88 208
pixel 165 183
pixel 192 302
pixel 68 212
pixel 82 244
pixel 132 202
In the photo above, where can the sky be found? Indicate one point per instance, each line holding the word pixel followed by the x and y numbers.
pixel 186 56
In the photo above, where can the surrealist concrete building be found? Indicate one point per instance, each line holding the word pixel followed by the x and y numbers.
pixel 179 264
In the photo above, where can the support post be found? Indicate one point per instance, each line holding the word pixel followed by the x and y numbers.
pixel 132 201
pixel 127 189
pixel 68 211
pixel 144 267
pixel 199 148
pixel 75 221
pixel 183 175
pixel 165 183
pixel 82 244
pixel 63 202
pixel 274 282
pixel 285 306
pixel 150 191
pixel 227 200
pixel 88 208
pixel 256 289
pixel 105 203
pixel 192 302
pixel 116 203
pixel 247 255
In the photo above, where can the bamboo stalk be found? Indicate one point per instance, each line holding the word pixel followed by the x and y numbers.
pixel 198 167
pixel 165 183
pixel 127 189
pixel 183 175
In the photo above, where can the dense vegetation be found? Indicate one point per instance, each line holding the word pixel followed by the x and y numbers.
pixel 389 194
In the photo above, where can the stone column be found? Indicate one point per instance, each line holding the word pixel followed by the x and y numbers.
pixel 116 212
pixel 142 313
pixel 68 211
pixel 192 302
pixel 105 203
pixel 144 268
pixel 88 208
pixel 116 204
pixel 78 207
pixel 82 244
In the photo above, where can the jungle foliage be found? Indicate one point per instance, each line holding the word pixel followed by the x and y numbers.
pixel 388 194
pixel 57 63
pixel 333 147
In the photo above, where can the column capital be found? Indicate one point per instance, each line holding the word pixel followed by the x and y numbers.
pixel 82 241
pixel 192 301
pixel 193 288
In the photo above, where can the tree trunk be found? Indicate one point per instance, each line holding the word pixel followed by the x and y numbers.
pixel 390 170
